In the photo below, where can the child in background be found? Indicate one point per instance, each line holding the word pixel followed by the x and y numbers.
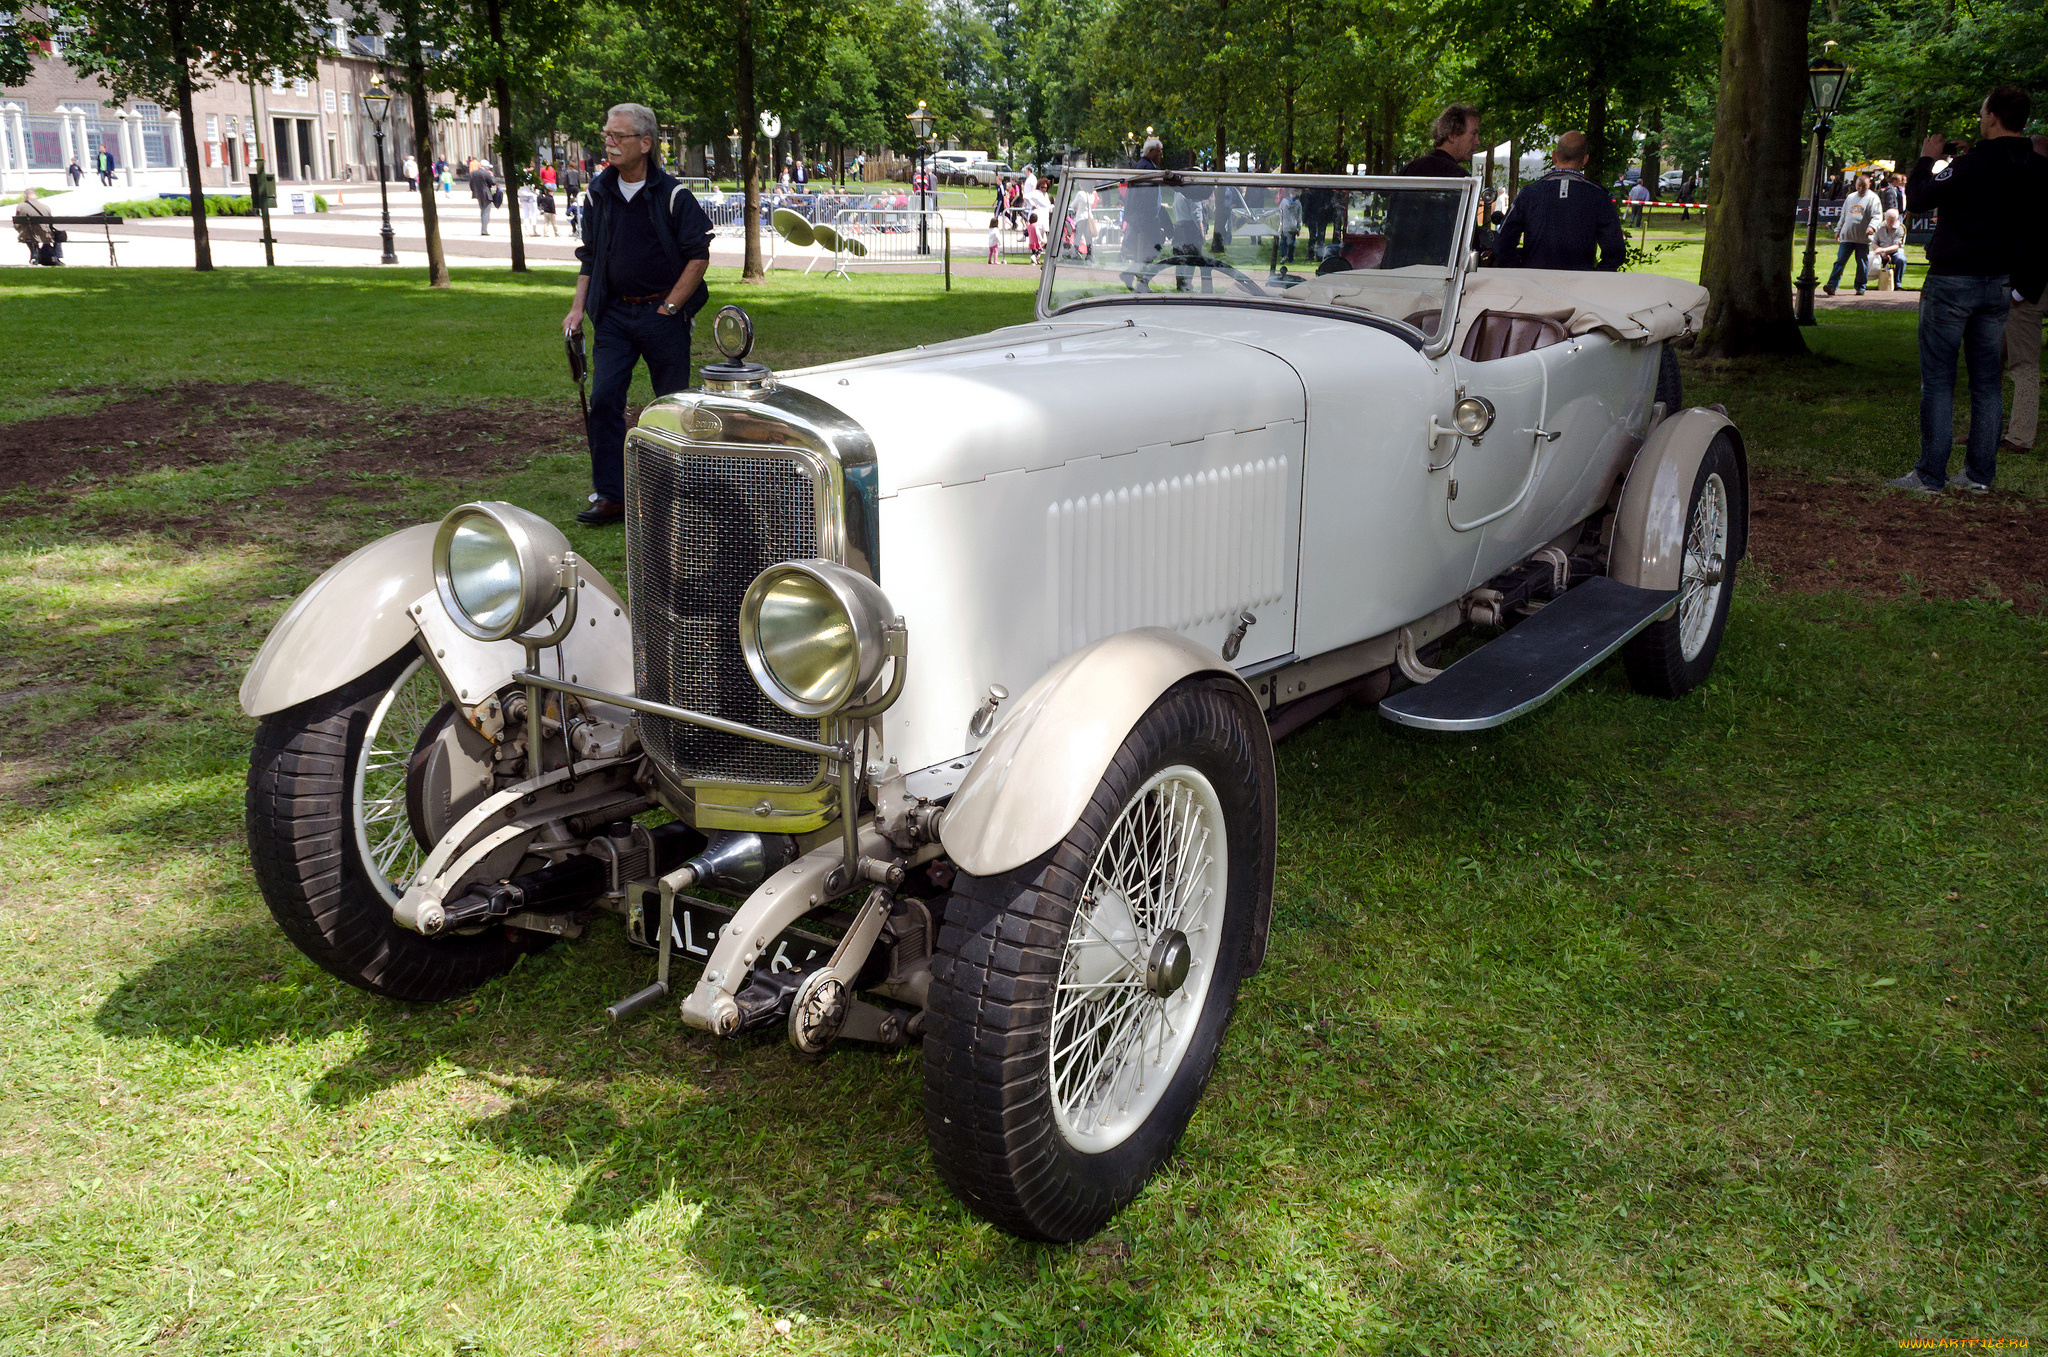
pixel 1031 236
pixel 547 211
pixel 995 241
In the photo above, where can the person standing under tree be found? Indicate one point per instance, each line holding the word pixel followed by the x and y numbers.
pixel 1989 202
pixel 1860 212
pixel 646 245
pixel 2023 325
pixel 1417 233
pixel 1557 221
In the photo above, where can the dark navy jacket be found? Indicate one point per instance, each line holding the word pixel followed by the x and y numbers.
pixel 680 224
pixel 1555 224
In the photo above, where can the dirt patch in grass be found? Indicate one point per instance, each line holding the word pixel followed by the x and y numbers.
pixel 199 423
pixel 1821 535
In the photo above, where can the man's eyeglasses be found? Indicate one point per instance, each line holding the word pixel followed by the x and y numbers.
pixel 624 136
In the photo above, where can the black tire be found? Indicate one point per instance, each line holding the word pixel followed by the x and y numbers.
pixel 990 1046
pixel 1672 657
pixel 1670 390
pixel 303 843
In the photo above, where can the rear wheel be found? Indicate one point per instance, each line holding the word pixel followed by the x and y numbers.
pixel 1078 1002
pixel 333 844
pixel 1672 657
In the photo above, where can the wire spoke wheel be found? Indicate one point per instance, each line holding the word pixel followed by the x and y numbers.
pixel 384 836
pixel 1674 655
pixel 1079 999
pixel 1705 564
pixel 1157 885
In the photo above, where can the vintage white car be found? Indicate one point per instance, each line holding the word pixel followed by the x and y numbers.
pixel 942 703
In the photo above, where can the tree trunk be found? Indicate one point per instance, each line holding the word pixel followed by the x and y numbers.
pixel 501 90
pixel 202 244
pixel 423 151
pixel 1514 169
pixel 1758 129
pixel 1596 99
pixel 750 142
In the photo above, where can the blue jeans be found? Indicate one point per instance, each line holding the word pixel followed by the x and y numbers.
pixel 1844 250
pixel 629 332
pixel 1963 312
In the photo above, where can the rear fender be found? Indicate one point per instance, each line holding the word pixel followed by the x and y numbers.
pixel 1649 526
pixel 1031 781
pixel 381 598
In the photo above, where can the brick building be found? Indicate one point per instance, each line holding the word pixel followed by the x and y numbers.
pixel 312 130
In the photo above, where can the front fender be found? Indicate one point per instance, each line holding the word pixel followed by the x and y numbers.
pixel 359 613
pixel 1649 525
pixel 1033 778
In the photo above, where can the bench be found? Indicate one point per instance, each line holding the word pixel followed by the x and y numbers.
pixel 100 219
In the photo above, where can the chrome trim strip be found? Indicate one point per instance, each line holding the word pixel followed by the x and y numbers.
pixel 719 723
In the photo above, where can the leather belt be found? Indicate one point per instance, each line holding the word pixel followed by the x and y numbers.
pixel 642 301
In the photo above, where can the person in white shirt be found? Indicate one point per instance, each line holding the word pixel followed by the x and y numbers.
pixel 529 209
pixel 995 240
pixel 1888 247
pixel 1860 213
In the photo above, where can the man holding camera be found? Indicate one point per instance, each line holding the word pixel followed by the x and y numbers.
pixel 646 246
pixel 1989 200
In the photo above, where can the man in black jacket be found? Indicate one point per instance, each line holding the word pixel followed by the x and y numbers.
pixel 646 245
pixel 1419 231
pixel 1558 220
pixel 1989 202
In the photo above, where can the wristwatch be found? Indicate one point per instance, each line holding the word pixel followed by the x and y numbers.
pixel 669 308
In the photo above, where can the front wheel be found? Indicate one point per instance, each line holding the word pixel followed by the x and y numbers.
pixel 1078 1002
pixel 1672 657
pixel 333 839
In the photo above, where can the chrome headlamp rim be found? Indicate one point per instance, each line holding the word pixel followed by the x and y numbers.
pixel 866 610
pixel 537 548
pixel 1473 415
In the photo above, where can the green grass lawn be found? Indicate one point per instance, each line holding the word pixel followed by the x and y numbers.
pixel 1698 1027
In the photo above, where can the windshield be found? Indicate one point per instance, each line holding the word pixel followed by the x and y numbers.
pixel 1391 247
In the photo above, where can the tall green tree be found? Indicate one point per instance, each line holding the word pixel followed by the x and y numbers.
pixel 1759 128
pixel 748 55
pixel 167 50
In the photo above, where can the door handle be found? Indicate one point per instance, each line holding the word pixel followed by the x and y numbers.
pixel 1547 435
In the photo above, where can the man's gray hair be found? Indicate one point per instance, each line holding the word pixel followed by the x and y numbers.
pixel 640 115
pixel 1151 144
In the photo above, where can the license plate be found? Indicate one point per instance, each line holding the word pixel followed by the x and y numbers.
pixel 696 928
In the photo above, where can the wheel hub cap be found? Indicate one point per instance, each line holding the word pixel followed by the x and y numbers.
pixel 1166 970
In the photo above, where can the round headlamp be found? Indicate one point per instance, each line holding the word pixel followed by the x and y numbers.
pixel 498 569
pixel 812 633
pixel 1473 415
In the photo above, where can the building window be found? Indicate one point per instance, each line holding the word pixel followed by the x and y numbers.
pixel 300 87
pixel 277 85
pixel 330 99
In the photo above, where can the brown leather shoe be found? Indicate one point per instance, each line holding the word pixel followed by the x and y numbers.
pixel 2006 445
pixel 602 513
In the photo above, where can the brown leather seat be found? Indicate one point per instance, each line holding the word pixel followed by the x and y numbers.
pixel 1503 334
pixel 1364 249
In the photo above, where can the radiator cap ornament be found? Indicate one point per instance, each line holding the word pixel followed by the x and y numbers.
pixel 732 330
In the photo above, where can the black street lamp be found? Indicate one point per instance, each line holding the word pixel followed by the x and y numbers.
pixel 378 101
pixel 1826 77
pixel 921 128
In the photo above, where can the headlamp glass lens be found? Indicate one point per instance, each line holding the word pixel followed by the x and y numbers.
pixel 807 640
pixel 1474 416
pixel 483 572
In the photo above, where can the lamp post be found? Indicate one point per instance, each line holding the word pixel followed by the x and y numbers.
pixel 1825 77
pixel 921 128
pixel 378 101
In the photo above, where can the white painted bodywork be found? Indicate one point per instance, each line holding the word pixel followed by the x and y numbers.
pixel 1171 466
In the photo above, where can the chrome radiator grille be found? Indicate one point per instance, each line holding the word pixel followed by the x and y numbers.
pixel 701 527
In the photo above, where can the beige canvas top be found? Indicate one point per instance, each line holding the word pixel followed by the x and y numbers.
pixel 1629 306
pixel 1633 306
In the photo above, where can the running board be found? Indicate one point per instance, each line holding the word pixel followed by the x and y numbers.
pixel 1533 661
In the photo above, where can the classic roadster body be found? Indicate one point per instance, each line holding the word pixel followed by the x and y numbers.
pixel 1199 500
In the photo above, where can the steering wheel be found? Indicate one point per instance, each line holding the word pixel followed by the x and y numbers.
pixel 1140 279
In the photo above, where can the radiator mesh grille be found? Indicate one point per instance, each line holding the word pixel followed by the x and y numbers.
pixel 700 529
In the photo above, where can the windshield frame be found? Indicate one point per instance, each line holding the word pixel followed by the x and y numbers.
pixel 1432 346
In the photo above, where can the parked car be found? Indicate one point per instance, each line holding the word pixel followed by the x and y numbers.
pixel 960 730
pixel 1670 180
pixel 985 173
